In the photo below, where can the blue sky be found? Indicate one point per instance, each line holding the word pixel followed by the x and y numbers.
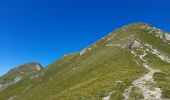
pixel 45 30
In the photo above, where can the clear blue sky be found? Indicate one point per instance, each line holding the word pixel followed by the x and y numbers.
pixel 45 30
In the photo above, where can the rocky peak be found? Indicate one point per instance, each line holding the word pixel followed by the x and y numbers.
pixel 17 74
pixel 28 67
pixel 151 29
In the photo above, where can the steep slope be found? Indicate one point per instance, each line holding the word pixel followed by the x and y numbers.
pixel 130 63
pixel 17 74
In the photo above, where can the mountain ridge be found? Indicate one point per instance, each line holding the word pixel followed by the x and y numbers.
pixel 119 66
pixel 16 74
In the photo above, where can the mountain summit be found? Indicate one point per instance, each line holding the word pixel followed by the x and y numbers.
pixel 17 74
pixel 130 63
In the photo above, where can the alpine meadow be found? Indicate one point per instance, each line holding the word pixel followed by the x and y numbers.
pixel 130 63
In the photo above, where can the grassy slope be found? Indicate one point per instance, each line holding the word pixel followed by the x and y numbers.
pixel 89 80
pixel 27 69
pixel 162 78
pixel 90 76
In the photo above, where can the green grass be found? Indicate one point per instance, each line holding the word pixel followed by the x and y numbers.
pixel 96 73
pixel 90 80
pixel 162 78
pixel 136 94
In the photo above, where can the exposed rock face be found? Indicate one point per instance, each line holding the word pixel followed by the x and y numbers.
pixel 17 79
pixel 38 67
pixel 167 36
pixel 158 32
pixel 31 66
pixel 83 52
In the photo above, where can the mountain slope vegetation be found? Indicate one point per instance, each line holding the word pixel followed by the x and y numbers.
pixel 113 68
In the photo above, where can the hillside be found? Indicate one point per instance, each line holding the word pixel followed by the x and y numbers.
pixel 17 74
pixel 130 63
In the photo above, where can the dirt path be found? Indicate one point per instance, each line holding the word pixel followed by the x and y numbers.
pixel 143 83
pixel 107 97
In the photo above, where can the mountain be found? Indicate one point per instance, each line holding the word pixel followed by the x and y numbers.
pixel 130 63
pixel 17 74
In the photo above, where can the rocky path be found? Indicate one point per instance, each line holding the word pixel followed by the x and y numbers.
pixel 107 97
pixel 143 83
